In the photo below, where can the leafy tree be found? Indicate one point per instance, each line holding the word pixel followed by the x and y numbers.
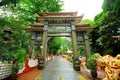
pixel 26 9
pixel 17 40
pixel 81 51
pixel 6 2
pixel 21 14
pixel 58 45
pixel 108 5
pixel 108 24
pixel 20 57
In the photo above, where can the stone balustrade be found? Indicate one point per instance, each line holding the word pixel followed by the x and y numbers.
pixel 5 70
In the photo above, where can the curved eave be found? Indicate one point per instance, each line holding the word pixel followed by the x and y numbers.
pixel 36 25
pixel 34 29
pixel 82 25
pixel 59 13
pixel 88 29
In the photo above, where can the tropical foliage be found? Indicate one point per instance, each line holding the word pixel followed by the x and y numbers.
pixel 108 25
pixel 59 45
pixel 91 62
pixel 17 15
pixel 17 40
pixel 26 9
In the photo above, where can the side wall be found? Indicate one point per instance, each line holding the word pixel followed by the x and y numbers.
pixel 5 70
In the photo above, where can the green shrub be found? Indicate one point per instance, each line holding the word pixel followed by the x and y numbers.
pixel 91 62
pixel 20 57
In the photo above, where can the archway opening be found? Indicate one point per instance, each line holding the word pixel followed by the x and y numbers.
pixel 59 46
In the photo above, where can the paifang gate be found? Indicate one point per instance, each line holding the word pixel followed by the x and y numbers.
pixel 63 24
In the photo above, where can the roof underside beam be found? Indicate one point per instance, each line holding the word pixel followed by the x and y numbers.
pixel 59 35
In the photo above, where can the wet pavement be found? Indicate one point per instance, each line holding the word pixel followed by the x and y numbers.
pixel 59 69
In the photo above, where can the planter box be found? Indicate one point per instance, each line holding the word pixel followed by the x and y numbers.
pixel 5 70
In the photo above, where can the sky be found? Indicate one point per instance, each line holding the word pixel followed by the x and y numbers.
pixel 90 8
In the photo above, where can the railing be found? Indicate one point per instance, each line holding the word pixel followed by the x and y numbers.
pixel 5 70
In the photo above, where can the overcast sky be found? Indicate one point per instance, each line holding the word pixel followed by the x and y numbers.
pixel 90 8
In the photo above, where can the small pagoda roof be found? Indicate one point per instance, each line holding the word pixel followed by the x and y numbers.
pixel 60 16
pixel 84 27
pixel 35 27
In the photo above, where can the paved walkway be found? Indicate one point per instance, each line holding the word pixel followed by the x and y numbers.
pixel 57 69
pixel 84 73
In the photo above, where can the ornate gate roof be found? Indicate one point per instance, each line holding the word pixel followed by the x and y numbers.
pixel 57 18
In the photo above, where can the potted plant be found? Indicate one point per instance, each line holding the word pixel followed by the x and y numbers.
pixel 92 65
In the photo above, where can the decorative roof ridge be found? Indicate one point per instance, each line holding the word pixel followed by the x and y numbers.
pixel 59 13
